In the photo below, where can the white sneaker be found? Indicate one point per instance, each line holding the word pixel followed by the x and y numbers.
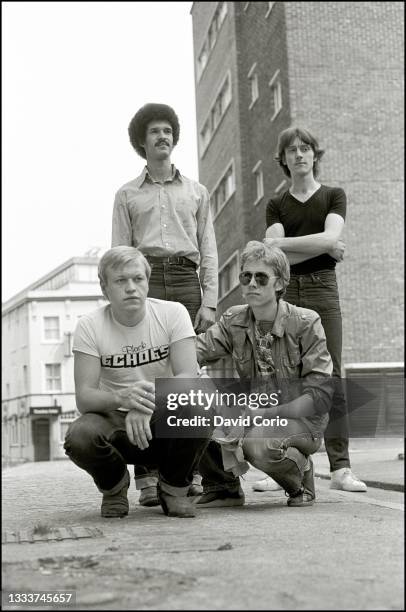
pixel 266 484
pixel 345 480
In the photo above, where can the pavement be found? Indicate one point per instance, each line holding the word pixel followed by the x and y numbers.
pixel 378 462
pixel 345 552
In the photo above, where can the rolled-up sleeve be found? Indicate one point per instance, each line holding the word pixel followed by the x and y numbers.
pixel 121 225
pixel 317 366
pixel 214 344
pixel 208 252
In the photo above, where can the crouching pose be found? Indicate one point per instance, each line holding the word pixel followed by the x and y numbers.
pixel 282 349
pixel 120 349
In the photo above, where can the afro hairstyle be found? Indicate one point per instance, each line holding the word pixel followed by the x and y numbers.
pixel 147 113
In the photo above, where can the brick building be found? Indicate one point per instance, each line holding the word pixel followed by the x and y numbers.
pixel 38 393
pixel 337 68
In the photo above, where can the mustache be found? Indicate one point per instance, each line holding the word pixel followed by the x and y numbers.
pixel 162 141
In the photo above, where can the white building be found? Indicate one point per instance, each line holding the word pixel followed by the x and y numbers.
pixel 38 399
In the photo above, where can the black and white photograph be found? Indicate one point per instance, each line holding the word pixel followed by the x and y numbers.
pixel 203 305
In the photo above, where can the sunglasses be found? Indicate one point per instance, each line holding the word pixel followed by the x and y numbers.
pixel 261 278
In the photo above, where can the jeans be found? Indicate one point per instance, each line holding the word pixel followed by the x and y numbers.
pixel 98 443
pixel 175 283
pixel 318 291
pixel 265 448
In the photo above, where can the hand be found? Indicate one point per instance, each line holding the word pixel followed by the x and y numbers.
pixel 138 428
pixel 337 252
pixel 273 242
pixel 204 319
pixel 140 396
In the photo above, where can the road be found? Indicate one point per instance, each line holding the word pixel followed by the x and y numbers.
pixel 344 553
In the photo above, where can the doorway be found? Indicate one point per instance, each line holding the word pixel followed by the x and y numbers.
pixel 40 436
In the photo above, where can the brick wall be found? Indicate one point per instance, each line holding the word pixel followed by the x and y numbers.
pixel 346 84
pixel 261 39
pixel 341 69
pixel 225 144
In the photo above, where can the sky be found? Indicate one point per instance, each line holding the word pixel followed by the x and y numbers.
pixel 74 74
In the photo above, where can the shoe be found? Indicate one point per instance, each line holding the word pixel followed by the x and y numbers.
pixel 173 505
pixel 266 484
pixel 307 494
pixel 195 490
pixel 222 499
pixel 148 497
pixel 116 506
pixel 300 499
pixel 344 480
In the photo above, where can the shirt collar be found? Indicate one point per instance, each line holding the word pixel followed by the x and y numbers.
pixel 145 176
pixel 246 318
pixel 280 320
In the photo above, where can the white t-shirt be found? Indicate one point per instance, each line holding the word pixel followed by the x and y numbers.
pixel 129 354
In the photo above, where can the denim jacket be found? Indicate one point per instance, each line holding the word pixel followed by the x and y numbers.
pixel 302 361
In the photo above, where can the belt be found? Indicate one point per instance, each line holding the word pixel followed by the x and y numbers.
pixel 173 259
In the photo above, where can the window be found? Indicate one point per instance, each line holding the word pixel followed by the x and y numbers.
pixel 223 191
pixel 259 182
pixel 53 380
pixel 276 95
pixel 269 9
pixel 202 60
pixel 228 276
pixel 216 113
pixel 211 37
pixel 51 328
pixel 253 83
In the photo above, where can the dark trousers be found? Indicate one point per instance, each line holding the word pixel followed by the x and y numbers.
pixel 318 291
pixel 98 443
pixel 175 283
pixel 295 441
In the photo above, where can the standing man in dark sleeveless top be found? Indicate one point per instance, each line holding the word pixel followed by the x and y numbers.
pixel 306 222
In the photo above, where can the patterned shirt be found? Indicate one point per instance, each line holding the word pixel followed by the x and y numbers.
pixel 266 365
pixel 170 218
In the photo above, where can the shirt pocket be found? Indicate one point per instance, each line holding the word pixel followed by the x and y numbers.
pixel 292 363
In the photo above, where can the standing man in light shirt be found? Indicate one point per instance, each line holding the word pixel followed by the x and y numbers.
pixel 167 217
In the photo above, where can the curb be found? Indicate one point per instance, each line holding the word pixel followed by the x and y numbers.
pixel 377 484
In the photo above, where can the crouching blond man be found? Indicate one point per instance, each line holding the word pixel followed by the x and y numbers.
pixel 119 351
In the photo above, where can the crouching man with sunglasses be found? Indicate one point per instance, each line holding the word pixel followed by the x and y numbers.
pixel 279 349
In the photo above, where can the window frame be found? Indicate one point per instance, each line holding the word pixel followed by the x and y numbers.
pixel 269 9
pixel 46 378
pixel 230 165
pixel 279 187
pixel 218 18
pixel 253 79
pixel 234 255
pixel 208 119
pixel 258 172
pixel 46 340
pixel 276 87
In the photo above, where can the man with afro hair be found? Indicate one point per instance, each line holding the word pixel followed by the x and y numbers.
pixel 167 217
